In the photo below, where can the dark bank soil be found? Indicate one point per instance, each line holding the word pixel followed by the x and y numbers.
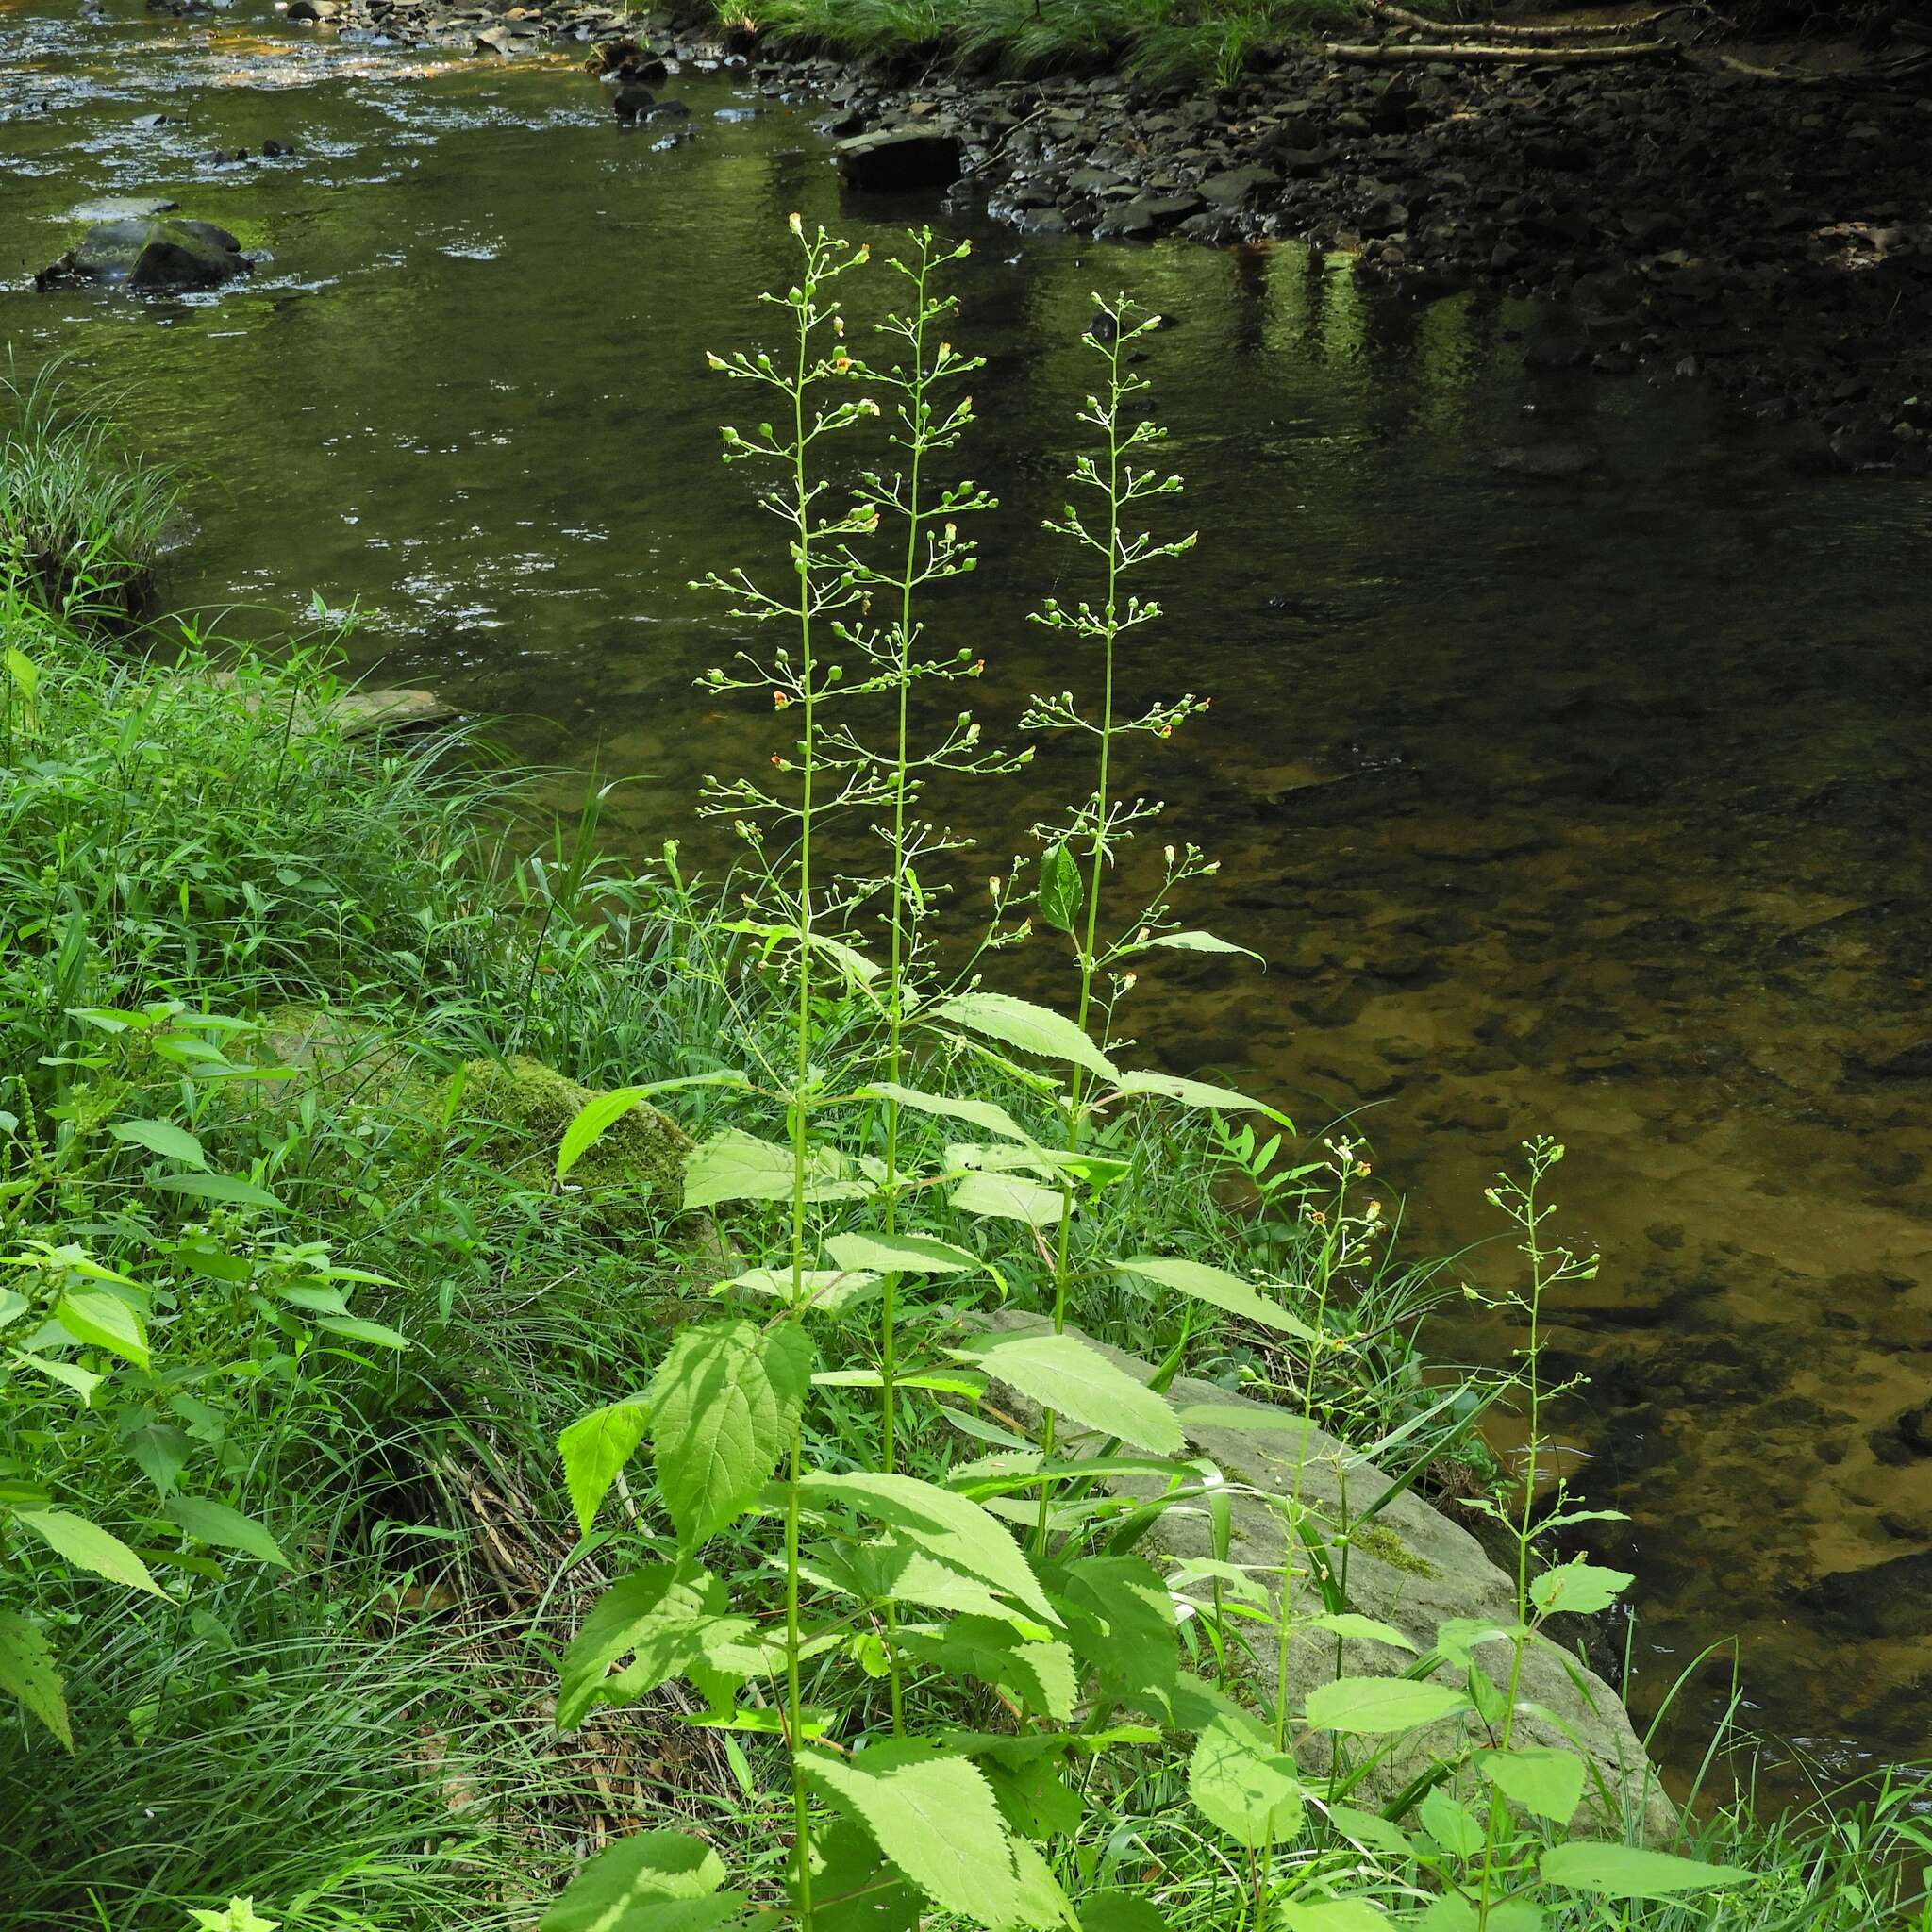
pixel 1684 218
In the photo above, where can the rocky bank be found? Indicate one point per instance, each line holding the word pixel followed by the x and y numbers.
pixel 1677 218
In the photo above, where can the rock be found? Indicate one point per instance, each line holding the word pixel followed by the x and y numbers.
pixel 632 99
pixel 1410 1567
pixel 1891 1600
pixel 1234 187
pixel 389 713
pixel 899 160
pixel 158 254
pixel 276 150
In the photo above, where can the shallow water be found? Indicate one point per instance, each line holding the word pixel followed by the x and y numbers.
pixel 1591 809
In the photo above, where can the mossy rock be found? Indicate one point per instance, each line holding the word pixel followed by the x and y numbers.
pixel 521 1108
pixel 513 1110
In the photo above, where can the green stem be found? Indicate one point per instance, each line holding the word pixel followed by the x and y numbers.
pixel 794 1703
pixel 1096 870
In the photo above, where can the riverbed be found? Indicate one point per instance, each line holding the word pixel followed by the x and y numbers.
pixel 1589 805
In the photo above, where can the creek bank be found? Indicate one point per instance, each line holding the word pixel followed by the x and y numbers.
pixel 1677 218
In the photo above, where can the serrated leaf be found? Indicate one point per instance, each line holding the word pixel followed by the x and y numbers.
pixel 229 1189
pixel 951 1527
pixel 1039 1675
pixel 1008 1197
pixel 1362 1629
pixel 1579 1588
pixel 935 1818
pixel 856 1887
pixel 82 1381
pixel 30 1675
pixel 1451 1823
pixel 1372 1706
pixel 1201 1282
pixel 736 1166
pixel 1062 892
pixel 1627 1872
pixel 1198 1093
pixel 592 1121
pixel 983 1114
pixel 824 1291
pixel 213 1522
pixel 649 1868
pixel 1119 1911
pixel 1121 1622
pixel 723 1405
pixel 163 1138
pixel 99 1320
pixel 1546 1781
pixel 89 1547
pixel 1332 1915
pixel 655 1614
pixel 1031 1028
pixel 1240 1782
pixel 1370 1828
pixel 1199 942
pixel 160 1451
pixel 595 1447
pixel 1072 1377
pixel 901 1254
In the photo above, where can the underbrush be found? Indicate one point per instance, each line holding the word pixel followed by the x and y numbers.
pixel 437 1489
pixel 1155 41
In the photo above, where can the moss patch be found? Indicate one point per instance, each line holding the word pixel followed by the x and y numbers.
pixel 1378 1540
pixel 523 1107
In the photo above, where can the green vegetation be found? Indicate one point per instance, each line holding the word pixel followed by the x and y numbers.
pixel 437 1489
pixel 1158 40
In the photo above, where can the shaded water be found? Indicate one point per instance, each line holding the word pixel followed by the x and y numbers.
pixel 1591 808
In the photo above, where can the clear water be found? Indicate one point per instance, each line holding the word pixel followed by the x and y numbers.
pixel 1594 809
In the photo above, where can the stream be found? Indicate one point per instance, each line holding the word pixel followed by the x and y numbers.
pixel 1588 806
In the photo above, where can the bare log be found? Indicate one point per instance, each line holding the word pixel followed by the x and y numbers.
pixel 1388 54
pixel 1494 30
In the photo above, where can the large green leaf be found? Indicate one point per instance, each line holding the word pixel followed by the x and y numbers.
pixel 1369 1707
pixel 736 1166
pixel 1579 1588
pixel 1332 1915
pixel 1009 1197
pixel 228 1188
pixel 595 1447
pixel 723 1405
pixel 1119 1911
pixel 1039 1675
pixel 1020 1023
pixel 856 1887
pixel 163 1138
pixel 985 1114
pixel 213 1522
pixel 99 1320
pixel 657 1614
pixel 1628 1872
pixel 1062 892
pixel 27 1673
pixel 1217 1287
pixel 899 1570
pixel 593 1120
pixel 949 1527
pixel 88 1546
pixel 1240 1782
pixel 1548 1782
pixel 935 1818
pixel 652 1881
pixel 1200 943
pixel 1072 1377
pixel 1121 1620
pixel 900 1254
pixel 1197 1093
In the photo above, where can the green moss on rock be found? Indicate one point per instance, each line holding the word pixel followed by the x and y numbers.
pixel 1377 1539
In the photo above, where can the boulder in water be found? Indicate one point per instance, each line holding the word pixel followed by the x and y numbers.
pixel 151 254
pixel 897 161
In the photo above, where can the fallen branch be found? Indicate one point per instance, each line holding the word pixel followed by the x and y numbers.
pixel 1388 54
pixel 1493 31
